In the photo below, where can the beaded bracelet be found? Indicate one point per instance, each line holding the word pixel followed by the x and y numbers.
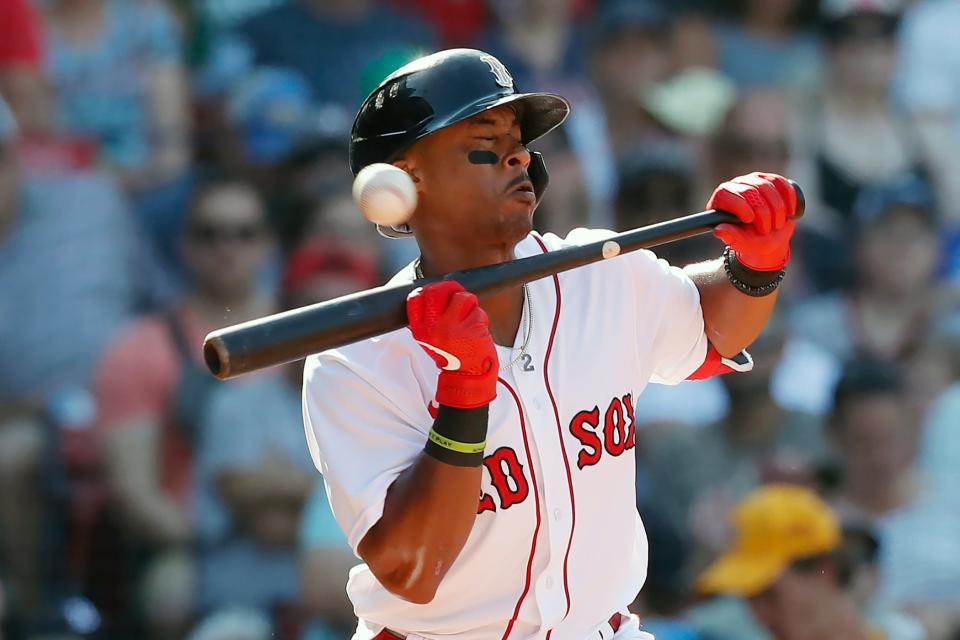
pixel 731 264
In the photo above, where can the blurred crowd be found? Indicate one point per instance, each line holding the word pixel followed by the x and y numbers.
pixel 195 153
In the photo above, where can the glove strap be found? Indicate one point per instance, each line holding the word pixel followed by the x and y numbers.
pixel 466 390
pixel 750 281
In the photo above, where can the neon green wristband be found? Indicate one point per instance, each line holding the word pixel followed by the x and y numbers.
pixel 453 445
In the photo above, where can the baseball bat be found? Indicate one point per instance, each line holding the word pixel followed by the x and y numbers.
pixel 295 334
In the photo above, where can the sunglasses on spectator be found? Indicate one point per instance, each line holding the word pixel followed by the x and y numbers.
pixel 239 233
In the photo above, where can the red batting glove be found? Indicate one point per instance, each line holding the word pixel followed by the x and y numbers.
pixel 765 203
pixel 447 321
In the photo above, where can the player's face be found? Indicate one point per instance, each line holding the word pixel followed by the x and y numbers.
pixel 472 181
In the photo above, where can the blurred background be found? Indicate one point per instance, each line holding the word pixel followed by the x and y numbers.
pixel 170 167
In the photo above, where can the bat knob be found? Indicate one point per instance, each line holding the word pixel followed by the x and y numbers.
pixel 801 201
pixel 216 356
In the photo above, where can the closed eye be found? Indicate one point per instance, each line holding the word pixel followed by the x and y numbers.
pixel 490 138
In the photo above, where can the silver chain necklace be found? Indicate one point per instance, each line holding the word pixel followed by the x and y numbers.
pixel 527 312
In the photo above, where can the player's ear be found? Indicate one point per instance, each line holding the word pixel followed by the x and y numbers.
pixel 408 163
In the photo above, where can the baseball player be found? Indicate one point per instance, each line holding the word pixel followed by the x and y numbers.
pixel 481 461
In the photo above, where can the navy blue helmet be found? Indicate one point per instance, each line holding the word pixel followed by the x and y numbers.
pixel 439 90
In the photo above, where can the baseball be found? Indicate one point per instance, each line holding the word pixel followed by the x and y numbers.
pixel 385 194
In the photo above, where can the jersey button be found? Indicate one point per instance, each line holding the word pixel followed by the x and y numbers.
pixel 548 582
pixel 557 514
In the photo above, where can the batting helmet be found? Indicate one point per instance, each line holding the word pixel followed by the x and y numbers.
pixel 439 90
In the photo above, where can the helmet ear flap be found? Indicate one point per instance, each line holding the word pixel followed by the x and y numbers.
pixel 538 174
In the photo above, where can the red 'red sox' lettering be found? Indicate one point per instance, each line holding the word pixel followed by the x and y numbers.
pixel 583 427
pixel 507 476
pixel 615 435
pixel 632 430
pixel 486 503
pixel 615 429
pixel 619 431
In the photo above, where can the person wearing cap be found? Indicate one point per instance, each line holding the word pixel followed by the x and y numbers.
pixel 784 563
pixel 480 459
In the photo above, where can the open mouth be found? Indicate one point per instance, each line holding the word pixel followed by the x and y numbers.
pixel 521 185
pixel 525 187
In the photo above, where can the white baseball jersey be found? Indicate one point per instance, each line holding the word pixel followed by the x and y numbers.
pixel 558 545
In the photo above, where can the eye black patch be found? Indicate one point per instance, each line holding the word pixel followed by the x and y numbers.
pixel 481 156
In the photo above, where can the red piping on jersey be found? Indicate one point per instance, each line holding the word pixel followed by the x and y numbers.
pixel 563 448
pixel 536 497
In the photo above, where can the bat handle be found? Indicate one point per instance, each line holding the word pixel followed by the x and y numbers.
pixel 801 201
